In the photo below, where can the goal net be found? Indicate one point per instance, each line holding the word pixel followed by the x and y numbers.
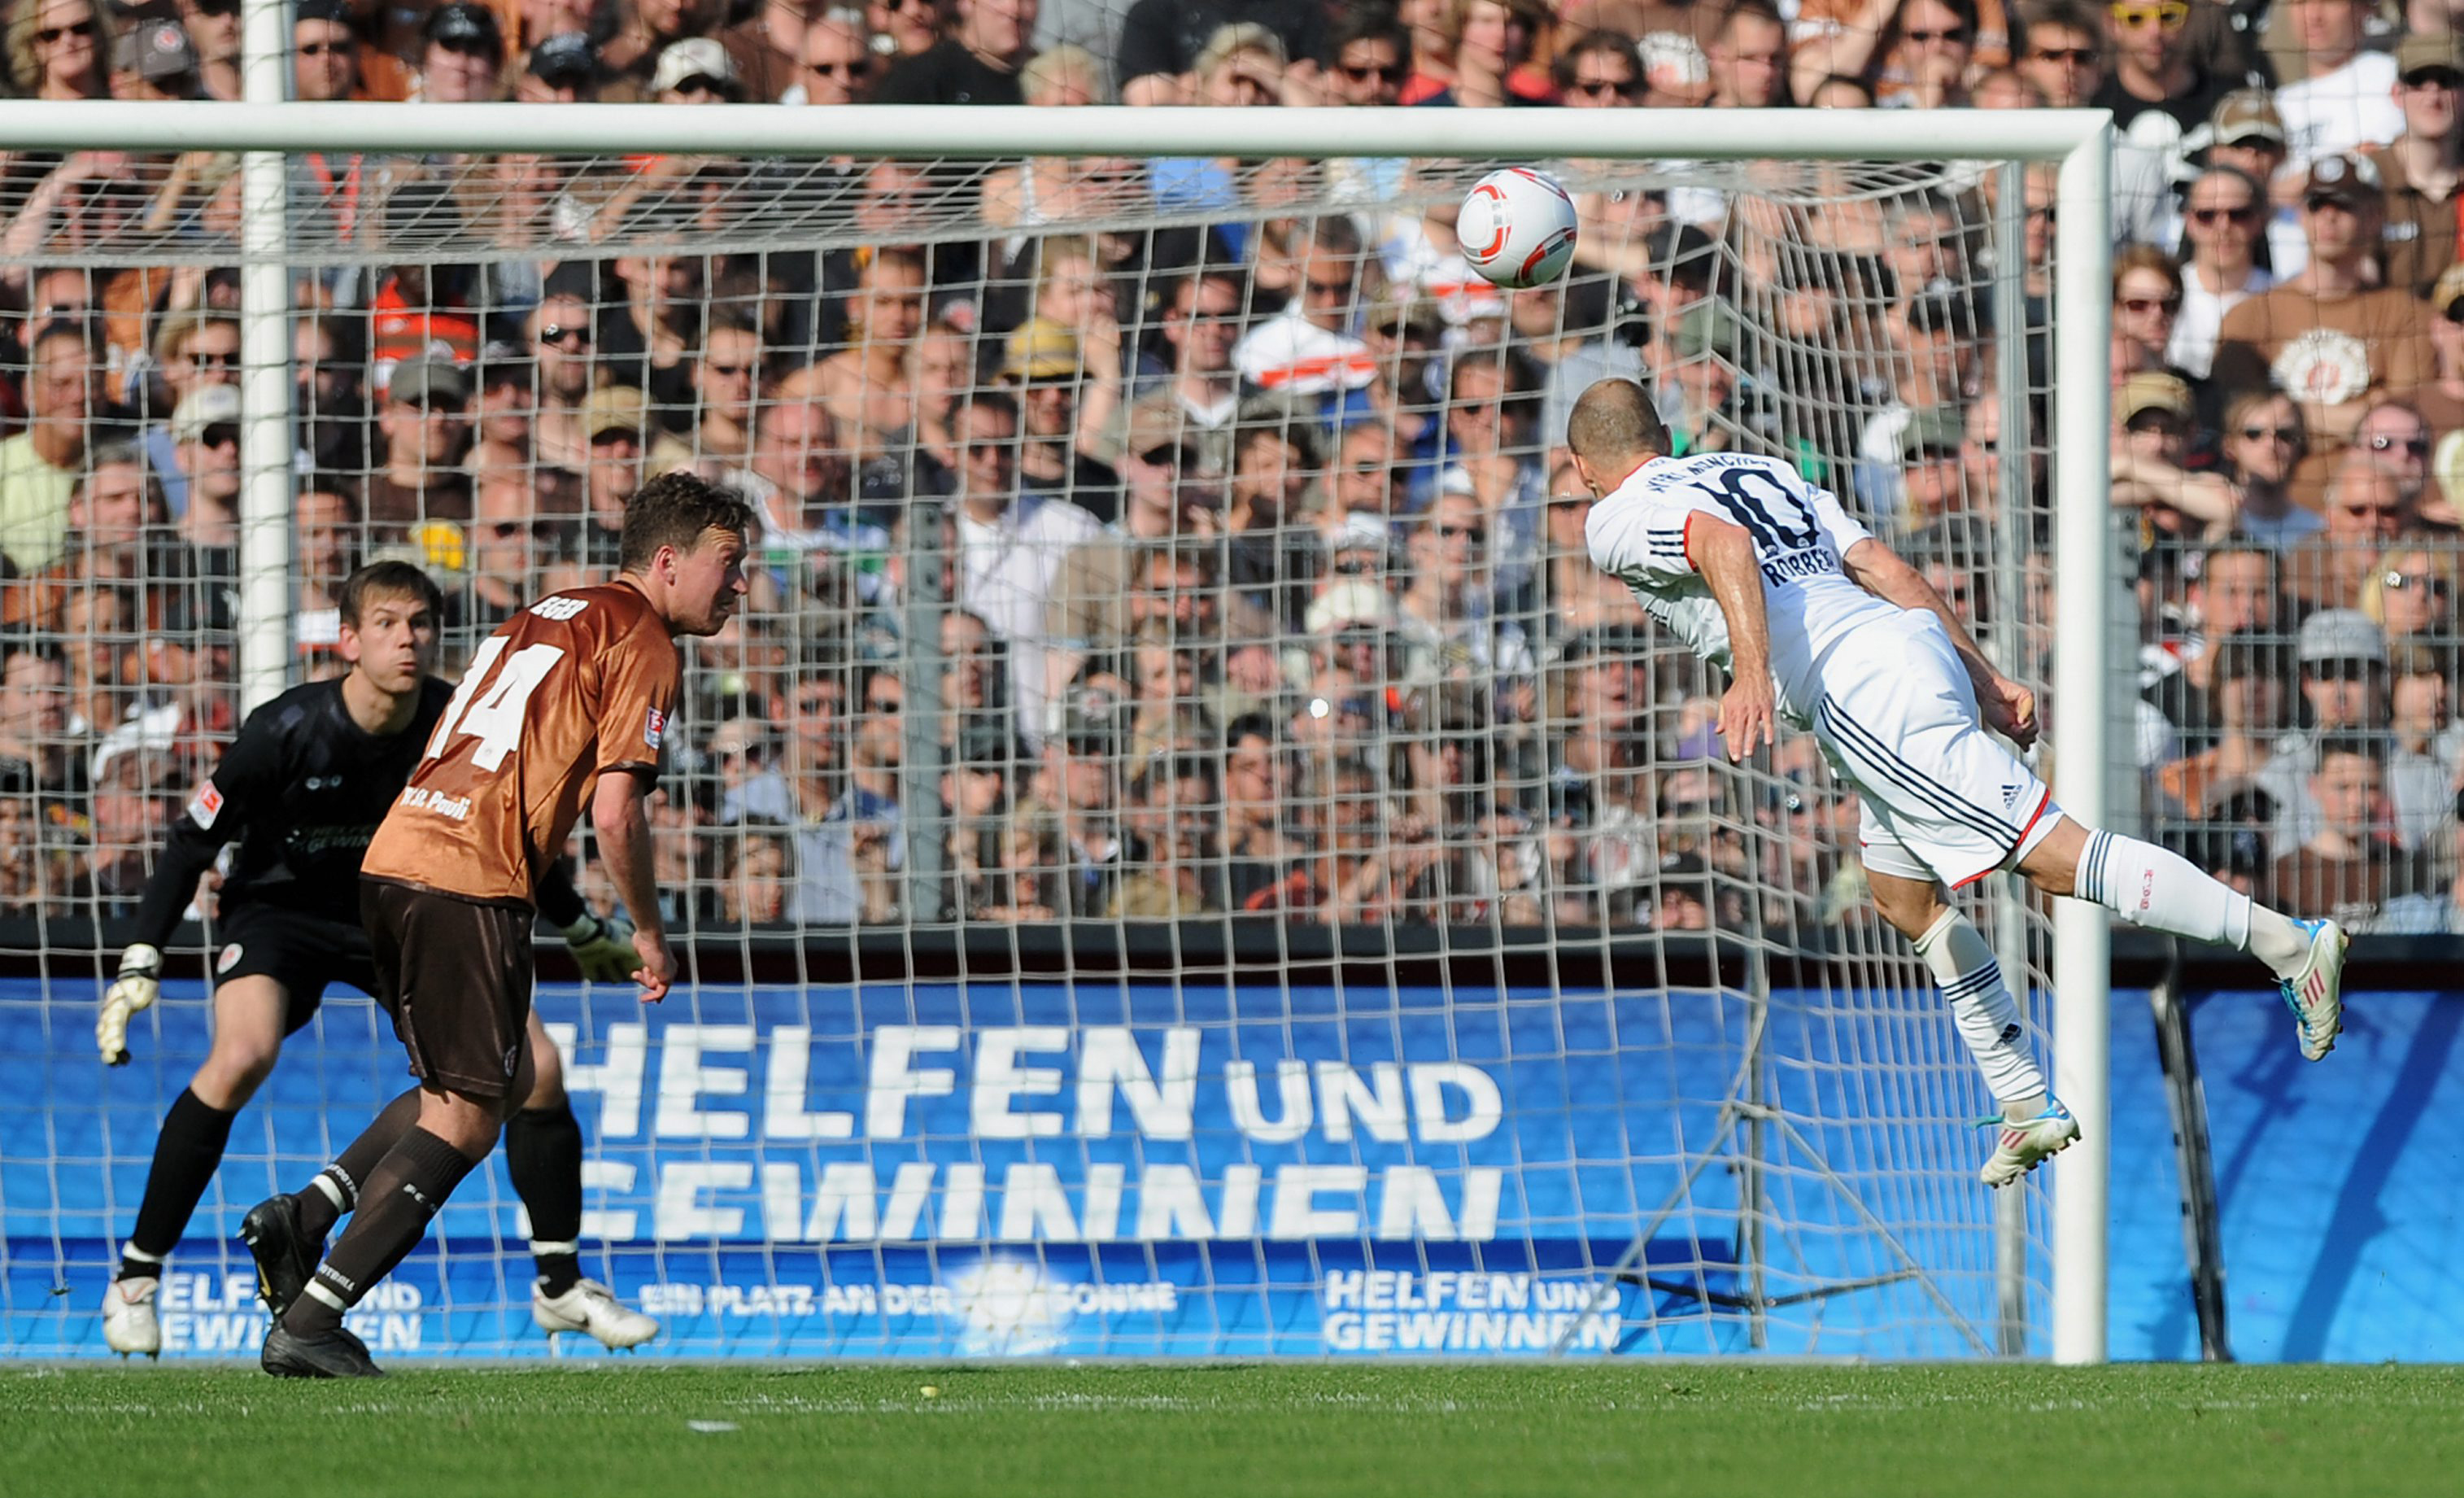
pixel 1181 853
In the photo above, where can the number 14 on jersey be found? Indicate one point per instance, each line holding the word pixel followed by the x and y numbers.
pixel 495 715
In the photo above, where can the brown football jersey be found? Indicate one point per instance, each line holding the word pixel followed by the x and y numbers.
pixel 578 684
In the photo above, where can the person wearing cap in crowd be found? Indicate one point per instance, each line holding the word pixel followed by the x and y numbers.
pixel 563 68
pixel 695 71
pixel 190 349
pixel 2345 102
pixel 324 52
pixel 1932 483
pixel 1043 364
pixel 213 31
pixel 154 62
pixel 627 448
pixel 2424 168
pixel 2224 212
pixel 2247 134
pixel 2342 657
pixel 425 428
pixel 205 436
pixel 2152 421
pixel 2329 336
pixel 462 55
pixel 1700 381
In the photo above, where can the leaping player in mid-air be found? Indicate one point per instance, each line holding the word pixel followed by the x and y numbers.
pixel 300 792
pixel 1815 621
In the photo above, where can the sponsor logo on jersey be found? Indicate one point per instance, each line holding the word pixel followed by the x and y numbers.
pixel 420 798
pixel 559 607
pixel 206 805
pixel 229 960
pixel 654 728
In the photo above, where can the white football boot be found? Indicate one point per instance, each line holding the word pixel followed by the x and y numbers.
pixel 2316 995
pixel 591 1307
pixel 2023 1146
pixel 128 1321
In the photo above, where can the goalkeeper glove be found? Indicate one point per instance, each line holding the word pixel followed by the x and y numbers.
pixel 603 949
pixel 138 984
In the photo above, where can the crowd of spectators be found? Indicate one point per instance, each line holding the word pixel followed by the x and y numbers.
pixel 1162 538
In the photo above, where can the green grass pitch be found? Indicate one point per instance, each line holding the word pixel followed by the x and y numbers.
pixel 1180 1432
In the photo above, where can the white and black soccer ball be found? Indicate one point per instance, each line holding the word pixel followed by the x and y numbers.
pixel 1517 228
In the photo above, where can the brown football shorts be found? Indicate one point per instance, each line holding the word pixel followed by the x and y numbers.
pixel 455 975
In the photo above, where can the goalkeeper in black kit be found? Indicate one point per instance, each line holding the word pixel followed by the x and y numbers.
pixel 301 791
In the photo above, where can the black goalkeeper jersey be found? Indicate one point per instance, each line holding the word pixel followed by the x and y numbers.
pixel 301 791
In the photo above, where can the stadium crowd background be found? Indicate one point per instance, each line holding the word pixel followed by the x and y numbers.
pixel 1268 590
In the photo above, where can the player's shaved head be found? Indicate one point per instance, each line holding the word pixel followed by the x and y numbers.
pixel 1614 426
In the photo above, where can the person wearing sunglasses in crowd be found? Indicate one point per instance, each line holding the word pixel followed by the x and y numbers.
pixel 2424 168
pixel 55 47
pixel 2264 443
pixel 2329 335
pixel 2223 215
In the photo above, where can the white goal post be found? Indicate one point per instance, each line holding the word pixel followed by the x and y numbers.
pixel 2084 680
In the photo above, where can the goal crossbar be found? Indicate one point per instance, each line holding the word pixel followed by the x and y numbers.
pixel 1004 131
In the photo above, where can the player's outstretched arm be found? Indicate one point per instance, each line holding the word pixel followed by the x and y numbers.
pixel 624 827
pixel 2010 708
pixel 213 817
pixel 1724 554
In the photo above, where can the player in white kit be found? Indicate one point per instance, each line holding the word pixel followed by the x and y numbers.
pixel 1765 575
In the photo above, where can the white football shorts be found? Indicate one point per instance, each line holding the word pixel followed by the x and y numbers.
pixel 1943 799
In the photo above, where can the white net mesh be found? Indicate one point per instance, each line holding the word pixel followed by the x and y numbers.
pixel 1183 853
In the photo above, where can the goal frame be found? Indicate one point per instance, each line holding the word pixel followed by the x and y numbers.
pixel 2079 139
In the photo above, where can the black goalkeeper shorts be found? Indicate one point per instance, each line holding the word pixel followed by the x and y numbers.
pixel 302 953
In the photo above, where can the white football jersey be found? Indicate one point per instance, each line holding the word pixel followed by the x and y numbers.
pixel 1799 531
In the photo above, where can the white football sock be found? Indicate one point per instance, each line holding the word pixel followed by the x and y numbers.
pixel 1988 1017
pixel 2275 941
pixel 2148 887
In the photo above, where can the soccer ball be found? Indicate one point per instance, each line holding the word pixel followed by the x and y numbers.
pixel 1517 228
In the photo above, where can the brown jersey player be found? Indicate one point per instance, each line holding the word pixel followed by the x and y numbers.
pixel 566 703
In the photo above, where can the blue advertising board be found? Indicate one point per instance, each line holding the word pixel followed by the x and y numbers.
pixel 1119 1168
